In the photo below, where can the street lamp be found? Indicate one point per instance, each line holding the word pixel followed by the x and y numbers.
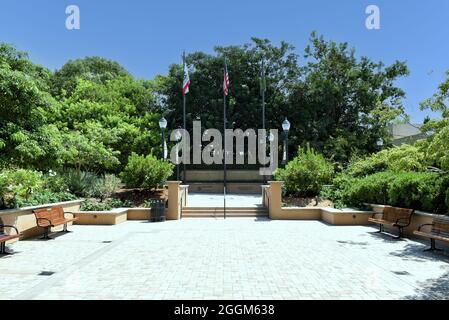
pixel 286 127
pixel 380 142
pixel 163 126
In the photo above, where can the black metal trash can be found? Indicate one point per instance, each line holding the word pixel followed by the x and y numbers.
pixel 157 210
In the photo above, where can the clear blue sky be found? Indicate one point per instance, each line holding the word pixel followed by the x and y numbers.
pixel 147 36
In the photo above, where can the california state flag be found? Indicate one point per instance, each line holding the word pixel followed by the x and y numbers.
pixel 186 84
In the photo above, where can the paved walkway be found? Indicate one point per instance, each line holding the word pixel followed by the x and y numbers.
pixel 205 200
pixel 216 259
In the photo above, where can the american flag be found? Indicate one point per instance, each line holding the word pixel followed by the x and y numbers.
pixel 226 79
pixel 186 83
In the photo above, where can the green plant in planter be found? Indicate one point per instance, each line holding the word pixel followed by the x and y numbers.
pixel 306 174
pixel 104 187
pixel 80 182
pixel 18 185
pixel 146 172
pixel 90 205
pixel 46 197
pixel 396 159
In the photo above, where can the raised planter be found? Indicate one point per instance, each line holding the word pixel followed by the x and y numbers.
pixel 109 218
pixel 25 221
pixel 332 216
pixel 345 217
pixel 139 214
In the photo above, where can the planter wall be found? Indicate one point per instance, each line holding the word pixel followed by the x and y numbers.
pixel 25 221
pixel 108 218
pixel 139 214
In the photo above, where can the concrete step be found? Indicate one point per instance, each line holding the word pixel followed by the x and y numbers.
pixel 217 187
pixel 227 209
pixel 219 212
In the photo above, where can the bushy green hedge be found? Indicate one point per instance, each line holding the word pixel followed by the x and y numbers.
pixel 398 159
pixel 306 174
pixel 146 172
pixel 22 188
pixel 416 190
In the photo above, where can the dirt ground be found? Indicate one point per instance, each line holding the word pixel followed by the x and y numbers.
pixel 139 196
pixel 307 202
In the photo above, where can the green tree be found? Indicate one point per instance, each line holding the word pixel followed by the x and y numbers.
pixel 94 69
pixel 205 99
pixel 343 104
pixel 436 146
pixel 27 137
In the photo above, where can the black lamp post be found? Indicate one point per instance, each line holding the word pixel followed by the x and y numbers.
pixel 163 126
pixel 286 128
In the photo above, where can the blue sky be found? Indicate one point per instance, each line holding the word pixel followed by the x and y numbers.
pixel 147 36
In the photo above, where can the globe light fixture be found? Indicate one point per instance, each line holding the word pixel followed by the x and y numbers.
pixel 163 126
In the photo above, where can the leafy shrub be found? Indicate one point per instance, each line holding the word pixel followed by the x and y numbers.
pixel 55 183
pixel 403 158
pixel 18 185
pixel 416 190
pixel 79 182
pixel 305 175
pixel 370 189
pixel 419 190
pixel 336 191
pixel 146 172
pixel 46 197
pixel 447 198
pixel 90 205
pixel 103 187
pixel 117 203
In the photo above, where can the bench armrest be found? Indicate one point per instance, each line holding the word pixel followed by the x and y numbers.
pixel 406 220
pixel 49 221
pixel 7 226
pixel 425 225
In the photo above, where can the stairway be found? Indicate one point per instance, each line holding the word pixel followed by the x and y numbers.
pixel 254 212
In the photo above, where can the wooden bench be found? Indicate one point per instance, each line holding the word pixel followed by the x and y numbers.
pixel 438 230
pixel 6 237
pixel 51 217
pixel 394 217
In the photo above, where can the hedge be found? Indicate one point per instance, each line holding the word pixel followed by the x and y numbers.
pixel 425 191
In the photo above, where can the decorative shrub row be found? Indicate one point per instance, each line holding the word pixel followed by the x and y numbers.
pixel 425 191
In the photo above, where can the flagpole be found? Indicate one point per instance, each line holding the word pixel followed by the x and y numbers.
pixel 263 95
pixel 224 145
pixel 184 120
pixel 263 107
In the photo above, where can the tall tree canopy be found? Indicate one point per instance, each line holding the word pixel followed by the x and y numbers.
pixel 343 105
pixel 337 103
pixel 437 145
pixel 92 114
pixel 205 99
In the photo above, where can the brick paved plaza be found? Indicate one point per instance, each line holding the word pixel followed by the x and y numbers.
pixel 217 259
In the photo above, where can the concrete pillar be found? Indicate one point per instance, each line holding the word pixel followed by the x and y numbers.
pixel 174 198
pixel 275 208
